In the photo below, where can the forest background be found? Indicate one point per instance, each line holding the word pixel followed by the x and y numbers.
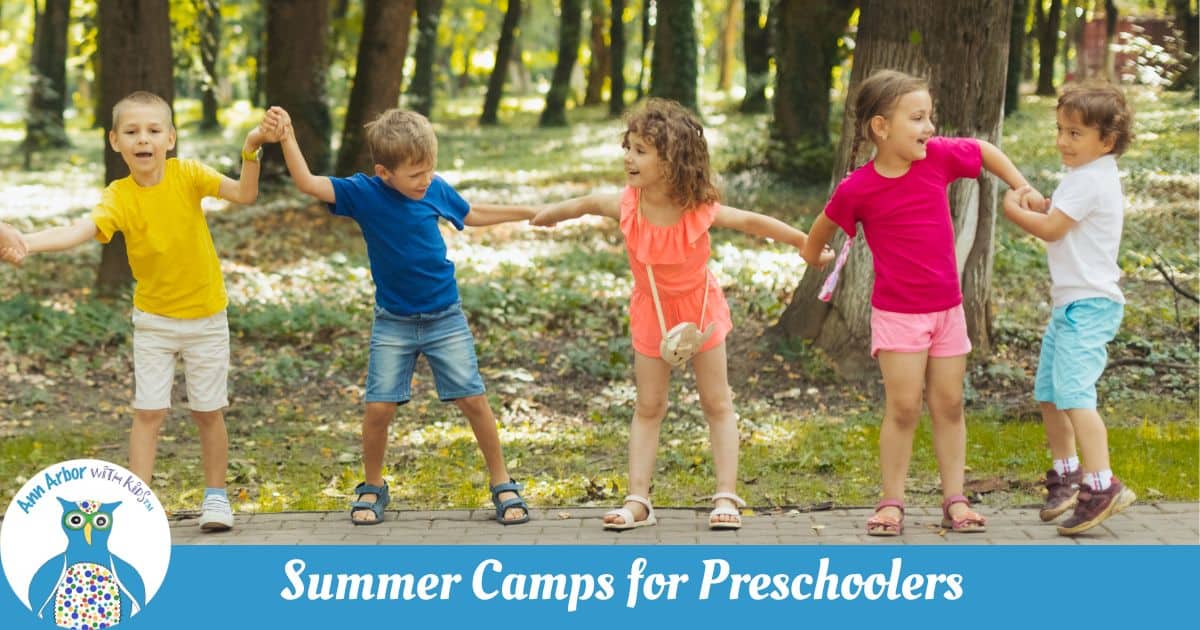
pixel 548 307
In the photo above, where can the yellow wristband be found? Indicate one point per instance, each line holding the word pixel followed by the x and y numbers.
pixel 251 156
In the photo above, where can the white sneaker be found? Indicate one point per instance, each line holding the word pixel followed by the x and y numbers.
pixel 215 514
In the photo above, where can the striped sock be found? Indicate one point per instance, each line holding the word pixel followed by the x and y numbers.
pixel 1099 481
pixel 1066 466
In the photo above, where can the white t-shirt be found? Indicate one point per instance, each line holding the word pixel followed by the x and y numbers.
pixel 1083 264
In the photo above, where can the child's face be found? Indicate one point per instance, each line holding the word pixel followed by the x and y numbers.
pixel 410 180
pixel 643 167
pixel 910 125
pixel 1078 143
pixel 143 136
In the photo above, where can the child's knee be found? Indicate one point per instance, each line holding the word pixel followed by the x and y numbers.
pixel 150 419
pixel 905 414
pixel 716 407
pixel 206 419
pixel 473 405
pixel 652 409
pixel 946 407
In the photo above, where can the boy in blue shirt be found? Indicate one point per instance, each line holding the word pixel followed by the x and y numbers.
pixel 417 307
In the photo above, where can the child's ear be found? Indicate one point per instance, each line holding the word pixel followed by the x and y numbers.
pixel 112 140
pixel 380 171
pixel 1108 141
pixel 878 126
pixel 171 135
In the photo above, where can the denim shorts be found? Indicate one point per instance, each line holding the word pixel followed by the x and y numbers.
pixel 445 340
pixel 1073 352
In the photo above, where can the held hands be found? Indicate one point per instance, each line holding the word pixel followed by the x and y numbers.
pixel 12 245
pixel 1026 198
pixel 827 256
pixel 275 126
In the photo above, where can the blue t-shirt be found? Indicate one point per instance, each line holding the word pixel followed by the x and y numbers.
pixel 407 253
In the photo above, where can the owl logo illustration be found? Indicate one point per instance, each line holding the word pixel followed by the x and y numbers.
pixel 86 587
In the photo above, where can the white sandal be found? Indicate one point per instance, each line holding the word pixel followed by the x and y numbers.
pixel 722 510
pixel 627 514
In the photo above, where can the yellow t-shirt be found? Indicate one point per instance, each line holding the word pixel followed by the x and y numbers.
pixel 170 249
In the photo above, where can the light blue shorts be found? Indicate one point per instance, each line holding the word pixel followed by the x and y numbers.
pixel 445 340
pixel 1073 352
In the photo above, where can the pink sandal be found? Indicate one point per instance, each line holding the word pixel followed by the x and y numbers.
pixel 886 525
pixel 970 522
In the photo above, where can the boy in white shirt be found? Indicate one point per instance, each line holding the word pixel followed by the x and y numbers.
pixel 1081 225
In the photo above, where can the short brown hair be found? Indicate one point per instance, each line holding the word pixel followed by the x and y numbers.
pixel 398 137
pixel 141 97
pixel 877 95
pixel 678 137
pixel 1101 105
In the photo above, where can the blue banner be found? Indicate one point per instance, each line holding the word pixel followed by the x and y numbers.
pixel 592 587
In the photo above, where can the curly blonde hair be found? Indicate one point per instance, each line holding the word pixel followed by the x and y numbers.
pixel 677 136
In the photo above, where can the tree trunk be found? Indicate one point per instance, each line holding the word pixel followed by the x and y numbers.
pixel 495 89
pixel 756 42
pixel 48 86
pixel 616 64
pixel 420 89
pixel 296 67
pixel 1016 56
pixel 728 46
pixel 673 71
pixel 256 50
pixel 134 44
pixel 1111 15
pixel 807 35
pixel 569 32
pixel 209 14
pixel 1186 21
pixel 378 74
pixel 1049 23
pixel 962 48
pixel 598 63
pixel 647 42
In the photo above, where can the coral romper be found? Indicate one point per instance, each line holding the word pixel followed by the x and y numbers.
pixel 679 254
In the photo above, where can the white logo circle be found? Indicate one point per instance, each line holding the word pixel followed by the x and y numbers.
pixel 85 543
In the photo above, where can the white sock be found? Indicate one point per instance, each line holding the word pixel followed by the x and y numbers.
pixel 1100 480
pixel 1066 466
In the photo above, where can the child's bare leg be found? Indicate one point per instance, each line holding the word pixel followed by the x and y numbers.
pixel 376 420
pixel 716 399
pixel 944 383
pixel 1059 432
pixel 143 441
pixel 652 375
pixel 483 425
pixel 1092 436
pixel 214 446
pixel 903 382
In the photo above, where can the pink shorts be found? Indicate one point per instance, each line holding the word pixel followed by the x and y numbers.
pixel 942 334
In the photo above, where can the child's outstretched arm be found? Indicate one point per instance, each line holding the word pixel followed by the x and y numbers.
pixel 482 214
pixel 998 164
pixel 312 185
pixel 1043 222
pixel 245 189
pixel 599 205
pixel 60 238
pixel 767 227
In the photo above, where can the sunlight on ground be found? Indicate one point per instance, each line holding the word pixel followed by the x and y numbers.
pixel 300 283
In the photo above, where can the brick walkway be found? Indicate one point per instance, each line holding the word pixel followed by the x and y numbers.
pixel 1141 524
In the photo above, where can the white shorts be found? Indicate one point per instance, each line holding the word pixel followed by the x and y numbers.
pixel 204 345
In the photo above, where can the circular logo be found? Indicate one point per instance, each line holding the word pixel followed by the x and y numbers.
pixel 85 544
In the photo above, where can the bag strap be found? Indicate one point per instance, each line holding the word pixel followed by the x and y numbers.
pixel 662 321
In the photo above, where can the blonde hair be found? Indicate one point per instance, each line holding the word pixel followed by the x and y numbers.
pixel 141 97
pixel 877 95
pixel 1101 105
pixel 677 136
pixel 399 137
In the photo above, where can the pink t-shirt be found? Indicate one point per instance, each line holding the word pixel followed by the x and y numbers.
pixel 906 221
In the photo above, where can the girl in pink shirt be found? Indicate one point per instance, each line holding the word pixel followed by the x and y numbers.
pixel 665 212
pixel 918 329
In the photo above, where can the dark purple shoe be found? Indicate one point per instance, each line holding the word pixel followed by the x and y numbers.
pixel 1094 506
pixel 1061 493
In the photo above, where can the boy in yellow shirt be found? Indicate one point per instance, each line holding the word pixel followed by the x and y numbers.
pixel 179 301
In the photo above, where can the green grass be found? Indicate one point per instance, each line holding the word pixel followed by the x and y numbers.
pixel 548 311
